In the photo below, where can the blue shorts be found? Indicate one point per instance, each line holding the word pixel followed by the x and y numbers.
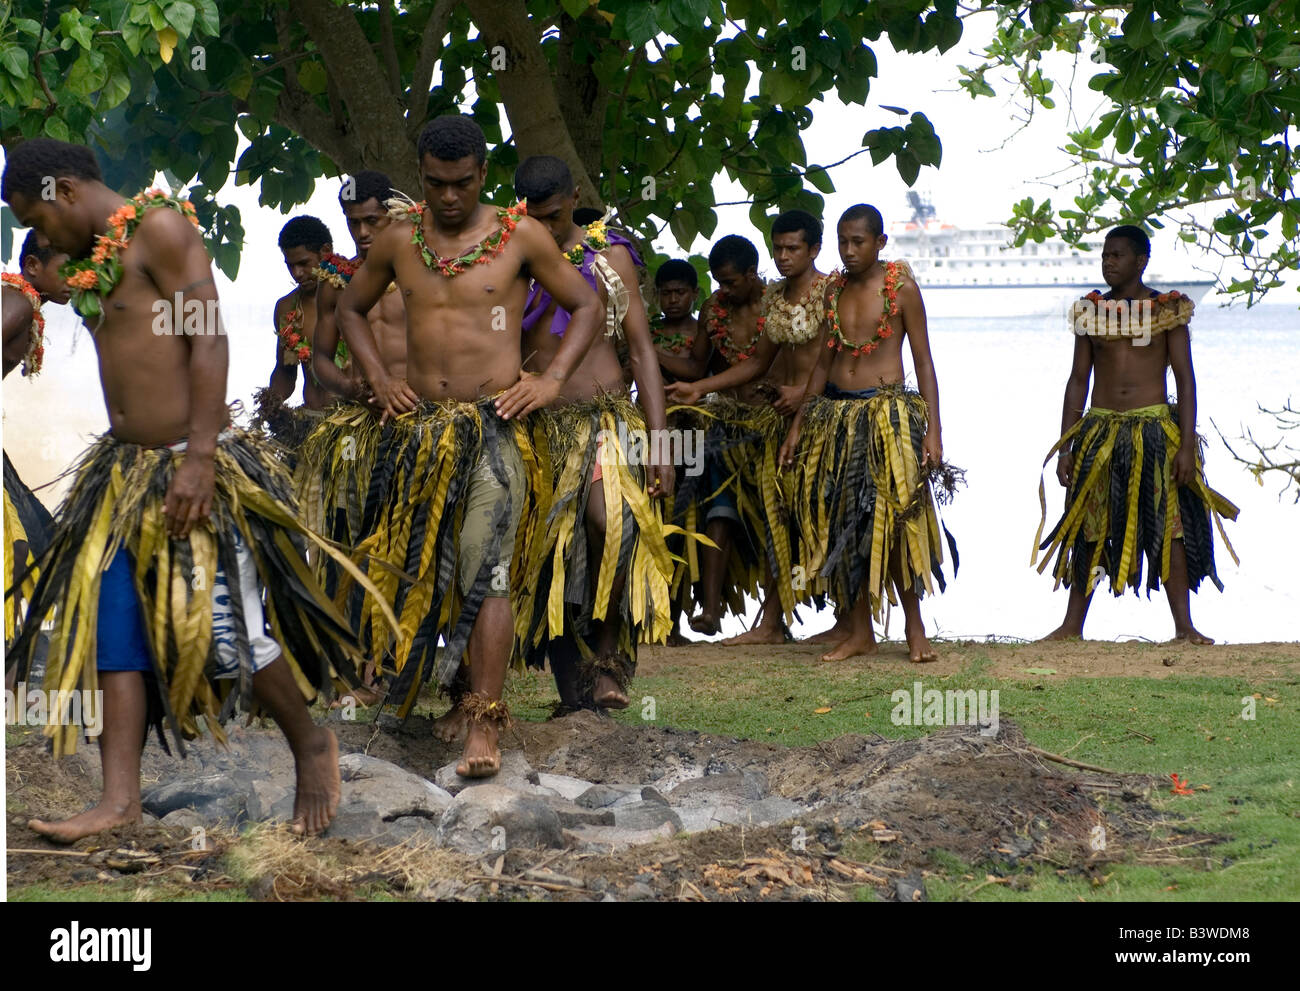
pixel 723 505
pixel 123 644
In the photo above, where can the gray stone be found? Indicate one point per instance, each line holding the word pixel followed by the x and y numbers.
pixel 713 786
pixel 646 815
pixel 572 815
pixel 611 839
pixel 754 784
pixel 215 797
pixel 387 790
pixel 650 794
pixel 185 819
pixel 563 785
pixel 639 892
pixel 492 817
pixel 270 799
pixel 516 773
pixel 910 888
pixel 603 796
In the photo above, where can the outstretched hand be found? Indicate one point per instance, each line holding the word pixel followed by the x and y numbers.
pixel 685 393
pixel 531 392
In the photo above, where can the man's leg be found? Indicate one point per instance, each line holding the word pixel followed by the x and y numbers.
pixel 861 638
pixel 1177 591
pixel 120 745
pixel 489 653
pixel 918 644
pixel 836 634
pixel 315 750
pixel 713 569
pixel 1076 611
pixel 451 725
pixel 768 628
pixel 606 692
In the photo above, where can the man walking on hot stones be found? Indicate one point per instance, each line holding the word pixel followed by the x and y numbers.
pixel 178 546
pixel 458 470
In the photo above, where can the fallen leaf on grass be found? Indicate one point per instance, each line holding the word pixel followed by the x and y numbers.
pixel 823 710
pixel 1180 787
pixel 1039 670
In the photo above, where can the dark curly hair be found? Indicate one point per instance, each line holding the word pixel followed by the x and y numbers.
pixel 452 137
pixel 305 232
pixel 29 165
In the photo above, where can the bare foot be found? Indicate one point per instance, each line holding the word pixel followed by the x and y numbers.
pixel 88 823
pixel 836 634
pixel 677 639
pixel 1063 632
pixel 319 786
pixel 759 634
pixel 1189 634
pixel 363 695
pixel 482 757
pixel 451 725
pixel 918 646
pixel 705 623
pixel 852 647
pixel 607 694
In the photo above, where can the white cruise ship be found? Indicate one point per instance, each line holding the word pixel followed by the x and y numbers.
pixel 975 272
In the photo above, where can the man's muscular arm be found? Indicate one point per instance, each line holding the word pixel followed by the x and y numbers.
pixel 367 287
pixel 661 475
pixel 741 373
pixel 1180 361
pixel 817 378
pixel 283 377
pixel 1076 397
pixel 171 252
pixel 570 291
pixel 17 327
pixel 326 343
pixel 927 383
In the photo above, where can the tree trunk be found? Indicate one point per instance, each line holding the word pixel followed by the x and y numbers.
pixel 582 103
pixel 528 89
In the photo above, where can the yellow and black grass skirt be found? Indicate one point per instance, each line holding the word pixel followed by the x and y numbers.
pixel 1122 505
pixel 422 469
pixel 741 445
pixel 286 426
pixel 28 526
pixel 561 594
pixel 335 463
pixel 860 493
pixel 116 505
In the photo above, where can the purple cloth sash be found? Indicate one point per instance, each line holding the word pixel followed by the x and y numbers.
pixel 539 300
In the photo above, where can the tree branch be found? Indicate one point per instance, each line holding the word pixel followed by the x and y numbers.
pixel 422 80
pixel 388 46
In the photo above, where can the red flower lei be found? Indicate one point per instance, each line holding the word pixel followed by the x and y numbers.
pixel 481 253
pixel 889 292
pixel 93 279
pixel 291 332
pixel 715 323
pixel 35 355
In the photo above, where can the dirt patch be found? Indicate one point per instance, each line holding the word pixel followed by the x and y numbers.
pixel 880 815
pixel 1087 658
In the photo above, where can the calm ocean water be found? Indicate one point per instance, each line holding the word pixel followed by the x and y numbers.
pixel 1000 385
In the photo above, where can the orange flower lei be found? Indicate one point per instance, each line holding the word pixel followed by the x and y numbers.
pixel 94 278
pixel 35 356
pixel 291 332
pixel 890 309
pixel 715 325
pixel 480 254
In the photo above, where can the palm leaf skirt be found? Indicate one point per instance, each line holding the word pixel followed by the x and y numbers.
pixel 411 525
pixel 26 522
pixel 1123 508
pixel 335 465
pixel 116 505
pixel 561 594
pixel 741 444
pixel 857 471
